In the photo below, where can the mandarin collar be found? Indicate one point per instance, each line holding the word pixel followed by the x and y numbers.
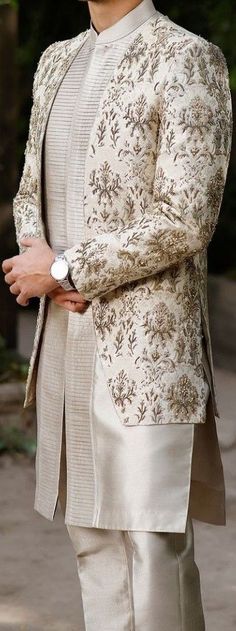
pixel 128 23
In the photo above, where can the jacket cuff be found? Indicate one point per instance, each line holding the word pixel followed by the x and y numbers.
pixel 74 274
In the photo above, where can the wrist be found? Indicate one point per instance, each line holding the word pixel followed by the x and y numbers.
pixel 51 284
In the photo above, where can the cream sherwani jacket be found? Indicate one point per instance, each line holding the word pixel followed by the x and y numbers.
pixel 154 177
pixel 155 174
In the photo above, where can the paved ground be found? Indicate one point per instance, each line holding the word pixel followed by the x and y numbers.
pixel 39 589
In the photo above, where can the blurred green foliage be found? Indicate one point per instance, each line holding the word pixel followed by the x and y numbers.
pixel 12 366
pixel 41 23
pixel 12 3
pixel 13 439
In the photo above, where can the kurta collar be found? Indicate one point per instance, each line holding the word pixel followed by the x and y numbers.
pixel 128 23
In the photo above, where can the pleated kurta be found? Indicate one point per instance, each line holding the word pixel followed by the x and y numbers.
pixel 114 476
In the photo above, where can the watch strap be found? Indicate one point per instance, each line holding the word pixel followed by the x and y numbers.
pixel 66 285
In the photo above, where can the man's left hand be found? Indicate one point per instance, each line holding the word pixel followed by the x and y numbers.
pixel 28 274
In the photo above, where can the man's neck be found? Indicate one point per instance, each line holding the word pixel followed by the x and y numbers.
pixel 106 13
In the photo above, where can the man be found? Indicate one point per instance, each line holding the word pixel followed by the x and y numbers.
pixel 124 174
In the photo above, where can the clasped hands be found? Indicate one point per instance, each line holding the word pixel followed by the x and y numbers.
pixel 28 276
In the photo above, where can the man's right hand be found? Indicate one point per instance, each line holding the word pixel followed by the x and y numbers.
pixel 70 300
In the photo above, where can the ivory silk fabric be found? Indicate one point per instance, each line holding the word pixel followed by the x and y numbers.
pixel 128 471
pixel 145 581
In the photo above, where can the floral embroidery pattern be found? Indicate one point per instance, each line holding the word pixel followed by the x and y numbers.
pixel 160 323
pixel 182 398
pixel 197 119
pixel 104 184
pixel 155 173
pixel 122 389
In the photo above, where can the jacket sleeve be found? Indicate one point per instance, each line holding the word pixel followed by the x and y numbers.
pixel 192 160
pixel 25 202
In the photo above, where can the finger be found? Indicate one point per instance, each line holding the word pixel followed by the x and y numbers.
pixel 80 303
pixel 72 295
pixel 82 297
pixel 66 304
pixel 81 308
pixel 72 306
pixel 10 278
pixel 22 300
pixel 56 300
pixel 62 293
pixel 61 299
pixel 14 289
pixel 58 291
pixel 7 265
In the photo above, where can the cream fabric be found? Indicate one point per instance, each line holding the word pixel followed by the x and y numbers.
pixel 146 479
pixel 116 477
pixel 126 202
pixel 136 193
pixel 142 474
pixel 159 589
pixel 69 351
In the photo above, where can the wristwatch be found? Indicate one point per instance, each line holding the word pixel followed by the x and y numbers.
pixel 60 271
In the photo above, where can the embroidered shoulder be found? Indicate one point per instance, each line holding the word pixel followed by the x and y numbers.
pixel 180 37
pixel 52 54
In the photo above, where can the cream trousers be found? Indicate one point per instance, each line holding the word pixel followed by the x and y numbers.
pixel 137 580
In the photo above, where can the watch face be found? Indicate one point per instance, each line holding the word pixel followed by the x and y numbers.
pixel 59 269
